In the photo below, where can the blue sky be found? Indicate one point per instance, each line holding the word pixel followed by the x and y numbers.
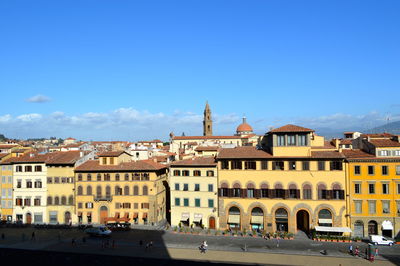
pixel 139 69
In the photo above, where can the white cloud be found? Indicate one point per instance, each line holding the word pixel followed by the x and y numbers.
pixel 38 99
pixel 29 117
pixel 5 118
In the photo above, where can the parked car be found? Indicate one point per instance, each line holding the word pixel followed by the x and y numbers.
pixel 98 231
pixel 380 240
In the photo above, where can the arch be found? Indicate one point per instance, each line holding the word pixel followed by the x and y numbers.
pixel 257 205
pixel 278 185
pixel 116 177
pixel 103 213
pixel 303 220
pixel 117 190
pixel 80 190
pixel 257 211
pixel 336 186
pixel 372 227
pixel 236 185
pixel 49 200
pixel 307 190
pixel 325 217
pixel 108 191
pixel 89 190
pixel 126 190
pixel 292 186
pixel 234 214
pixel 282 219
pixel 63 200
pixel 250 185
pixel 211 222
pixel 224 185
pixel 358 228
pixel 264 185
pixel 28 218
pixel 135 190
pixel 234 210
pixel 126 177
pixel 71 200
pixel 98 191
pixel 56 200
pixel 145 190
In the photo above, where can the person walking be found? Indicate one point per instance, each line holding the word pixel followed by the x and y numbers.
pixel 351 250
pixel 203 247
pixel 33 238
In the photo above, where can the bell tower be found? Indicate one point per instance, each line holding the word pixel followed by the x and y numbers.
pixel 207 122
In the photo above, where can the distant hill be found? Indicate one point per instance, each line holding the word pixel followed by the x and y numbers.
pixel 393 128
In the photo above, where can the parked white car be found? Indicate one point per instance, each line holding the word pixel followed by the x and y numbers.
pixel 98 231
pixel 380 240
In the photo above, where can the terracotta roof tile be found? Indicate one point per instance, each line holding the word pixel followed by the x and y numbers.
pixel 64 157
pixel 3 155
pixel 326 154
pixel 207 148
pixel 346 141
pixel 111 153
pixel 196 161
pixel 7 146
pixel 205 137
pixel 243 152
pixel 32 158
pixel 384 143
pixel 353 154
pixel 145 165
pixel 291 128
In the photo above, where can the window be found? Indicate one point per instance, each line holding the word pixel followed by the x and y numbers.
pixel 196 187
pixel 145 190
pixel 383 153
pixel 89 205
pixel 177 202
pixel 37 202
pixel 264 192
pixel 177 173
pixel 236 192
pixel 136 205
pixel 56 180
pixel 250 165
pixel 38 168
pixel 197 202
pixel 89 190
pixel 196 173
pixel 29 184
pixel 281 140
pixel 135 190
pixel 385 206
pixel 126 190
pixel 291 140
pixel 398 188
pixel 63 200
pixel 3 179
pixel 118 191
pixel 185 187
pixel 27 202
pixel 112 160
pixel 104 160
pixel 53 217
pixel 80 205
pixel 278 165
pixel 19 183
pixel 292 165
pixel 372 207
pixel 302 140
pixel 98 177
pixel 116 177
pixel 18 201
pixel 264 165
pixel 371 169
pixel 38 184
pixel 385 188
pixel 79 177
pixel 71 200
pixel 18 168
pixel 358 206
pixel 10 179
pixel 186 202
pixel 210 187
pixel 185 173
pixel 357 188
pixel 306 166
pixel 371 188
pixel 176 186
pixel 384 170
pixel 307 191
pixel 236 164
pixel 210 173
pixel 63 180
pixel 397 169
pixel 56 200
pixel 321 166
pixel 224 164
pixel 210 203
pixel 397 153
pixel 107 177
pixel 117 205
pixel 126 205
pixel 250 192
pixel 89 177
pixel 80 190
pixel 28 168
pixel 357 170
pixel 336 165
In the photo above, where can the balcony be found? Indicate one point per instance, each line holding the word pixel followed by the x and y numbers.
pixel 102 198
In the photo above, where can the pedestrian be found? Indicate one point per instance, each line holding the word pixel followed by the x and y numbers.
pixel 203 247
pixel 33 236
pixel 366 253
pixel 356 252
pixel 147 246
pixel 277 242
pixel 351 249
pixel 376 252
pixel 151 244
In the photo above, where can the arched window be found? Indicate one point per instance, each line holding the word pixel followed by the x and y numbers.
pixel 257 211
pixel 56 200
pixel 126 190
pixel 196 173
pixel 98 177
pixel 135 190
pixel 98 191
pixel 234 211
pixel 324 218
pixel 71 200
pixel 89 190
pixel 49 200
pixel 63 200
pixel 223 192
pixel 107 177
pixel 322 192
pixel 236 190
pixel 264 190
pixel 145 190
pixel 79 177
pixel 307 191
pixel 281 220
pixel 251 190
pixel 117 177
pixel 126 177
pixel 89 177
pixel 234 217
pixel 210 173
pixel 118 190
pixel 293 192
pixel 80 190
pixel 279 191
pixel 108 191
pixel 337 191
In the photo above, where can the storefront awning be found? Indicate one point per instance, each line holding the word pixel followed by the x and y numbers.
pixel 185 216
pixel 145 215
pixel 135 215
pixel 197 217
pixel 257 219
pixel 332 229
pixel 234 219
pixel 387 225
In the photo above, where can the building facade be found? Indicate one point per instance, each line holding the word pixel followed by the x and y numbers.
pixel 194 199
pixel 296 181
pixel 116 189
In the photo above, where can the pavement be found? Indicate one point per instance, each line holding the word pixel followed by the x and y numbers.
pixel 175 246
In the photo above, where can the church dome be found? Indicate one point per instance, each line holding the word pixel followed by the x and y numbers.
pixel 244 127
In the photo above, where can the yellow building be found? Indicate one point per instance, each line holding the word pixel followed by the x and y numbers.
pixel 60 185
pixel 6 187
pixel 374 186
pixel 115 189
pixel 296 181
pixel 194 196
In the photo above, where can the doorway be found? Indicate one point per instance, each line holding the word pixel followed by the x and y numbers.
pixel 211 222
pixel 303 221
pixel 281 220
pixel 372 228
pixel 67 218
pixel 28 218
pixel 103 214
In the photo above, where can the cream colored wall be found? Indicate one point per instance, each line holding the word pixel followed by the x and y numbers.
pixel 203 195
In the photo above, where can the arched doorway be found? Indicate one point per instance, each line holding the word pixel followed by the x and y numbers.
pixel 67 218
pixel 281 220
pixel 303 221
pixel 211 222
pixel 372 228
pixel 28 218
pixel 257 219
pixel 103 214
pixel 325 218
pixel 234 218
pixel 359 229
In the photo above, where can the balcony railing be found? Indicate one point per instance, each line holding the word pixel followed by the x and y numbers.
pixel 103 198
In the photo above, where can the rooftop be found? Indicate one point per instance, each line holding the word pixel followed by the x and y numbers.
pixel 290 128
pixel 145 165
pixel 196 161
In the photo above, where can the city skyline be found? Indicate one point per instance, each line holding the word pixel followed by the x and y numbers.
pixel 141 70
